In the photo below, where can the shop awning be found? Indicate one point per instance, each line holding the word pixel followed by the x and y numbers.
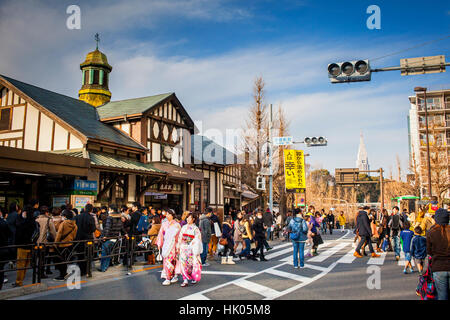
pixel 28 161
pixel 115 163
pixel 179 172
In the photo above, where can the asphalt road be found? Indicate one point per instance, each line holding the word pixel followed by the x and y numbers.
pixel 333 274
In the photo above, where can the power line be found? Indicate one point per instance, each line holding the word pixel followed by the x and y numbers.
pixel 417 46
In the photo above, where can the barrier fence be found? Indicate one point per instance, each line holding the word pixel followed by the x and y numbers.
pixel 81 252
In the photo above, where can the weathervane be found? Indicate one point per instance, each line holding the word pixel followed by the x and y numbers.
pixel 97 39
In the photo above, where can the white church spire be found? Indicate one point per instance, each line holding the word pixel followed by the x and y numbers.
pixel 362 163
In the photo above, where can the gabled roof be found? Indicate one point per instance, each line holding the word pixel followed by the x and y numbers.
pixel 205 150
pixel 76 113
pixel 137 106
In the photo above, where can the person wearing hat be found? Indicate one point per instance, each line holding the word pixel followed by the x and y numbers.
pixel 438 247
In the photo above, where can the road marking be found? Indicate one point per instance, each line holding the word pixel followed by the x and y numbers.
pixel 195 296
pixel 328 253
pixel 318 268
pixel 264 291
pixel 279 253
pixel 288 275
pixel 228 273
pixel 348 258
pixel 378 261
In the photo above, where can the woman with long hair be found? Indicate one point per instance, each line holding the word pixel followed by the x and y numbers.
pixel 237 236
pixel 189 247
pixel 166 242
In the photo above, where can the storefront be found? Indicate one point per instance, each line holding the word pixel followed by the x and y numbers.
pixel 27 175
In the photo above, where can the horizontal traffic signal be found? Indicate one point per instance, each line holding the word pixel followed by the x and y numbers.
pixel 315 141
pixel 349 71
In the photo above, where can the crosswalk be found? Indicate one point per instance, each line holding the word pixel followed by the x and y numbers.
pixel 315 268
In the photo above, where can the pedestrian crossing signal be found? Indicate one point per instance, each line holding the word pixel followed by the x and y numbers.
pixel 260 183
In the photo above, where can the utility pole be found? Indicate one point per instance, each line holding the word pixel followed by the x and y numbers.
pixel 382 190
pixel 270 160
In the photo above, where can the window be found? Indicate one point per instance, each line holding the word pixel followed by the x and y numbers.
pixel 86 77
pixel 96 76
pixel 105 79
pixel 5 117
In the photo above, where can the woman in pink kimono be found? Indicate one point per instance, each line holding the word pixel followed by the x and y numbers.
pixel 167 244
pixel 189 248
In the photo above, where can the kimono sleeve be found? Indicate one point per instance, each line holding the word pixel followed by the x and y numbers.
pixel 160 238
pixel 197 246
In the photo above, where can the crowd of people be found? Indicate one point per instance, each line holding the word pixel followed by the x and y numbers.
pixel 185 243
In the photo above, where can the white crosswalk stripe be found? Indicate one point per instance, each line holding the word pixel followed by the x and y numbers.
pixel 348 257
pixel 378 261
pixel 328 253
pixel 289 275
pixel 257 288
pixel 195 296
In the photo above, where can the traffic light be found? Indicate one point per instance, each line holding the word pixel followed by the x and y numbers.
pixel 349 71
pixel 260 183
pixel 315 141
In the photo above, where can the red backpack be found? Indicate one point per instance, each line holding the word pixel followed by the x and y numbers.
pixel 426 288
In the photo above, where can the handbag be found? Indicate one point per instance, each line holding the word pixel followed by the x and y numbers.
pixel 223 241
pixel 159 257
pixel 426 288
pixel 49 234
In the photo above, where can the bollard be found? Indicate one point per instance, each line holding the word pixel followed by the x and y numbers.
pixel 34 250
pixel 89 258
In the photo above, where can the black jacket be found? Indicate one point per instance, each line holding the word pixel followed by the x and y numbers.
pixel 135 217
pixel 5 234
pixel 330 219
pixel 25 228
pixel 258 227
pixel 86 226
pixel 268 219
pixel 214 219
pixel 11 220
pixel 113 226
pixel 363 224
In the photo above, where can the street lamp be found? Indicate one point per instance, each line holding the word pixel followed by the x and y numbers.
pixel 424 90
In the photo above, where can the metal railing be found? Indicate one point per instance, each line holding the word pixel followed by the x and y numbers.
pixel 86 252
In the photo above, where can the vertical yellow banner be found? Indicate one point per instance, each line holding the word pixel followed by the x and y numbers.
pixel 294 170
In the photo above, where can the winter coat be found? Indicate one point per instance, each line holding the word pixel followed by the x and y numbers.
pixel 45 225
pixel 268 219
pixel 11 220
pixel 153 233
pixel 67 232
pixel 342 220
pixel 57 220
pixel 438 247
pixel 419 247
pixel 248 232
pixel 5 234
pixel 25 228
pixel 227 233
pixel 363 224
pixel 86 226
pixel 258 227
pixel 143 224
pixel 134 221
pixel 113 226
pixel 215 219
pixel 237 237
pixel 205 228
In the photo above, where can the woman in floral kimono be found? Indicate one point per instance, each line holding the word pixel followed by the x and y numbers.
pixel 189 248
pixel 167 244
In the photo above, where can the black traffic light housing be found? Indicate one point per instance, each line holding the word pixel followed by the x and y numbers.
pixel 349 71
pixel 315 141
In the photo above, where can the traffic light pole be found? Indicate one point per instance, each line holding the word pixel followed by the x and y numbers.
pixel 270 161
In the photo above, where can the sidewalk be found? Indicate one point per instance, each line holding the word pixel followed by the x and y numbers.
pixel 9 291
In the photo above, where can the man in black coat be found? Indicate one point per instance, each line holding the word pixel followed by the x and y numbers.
pixel 135 217
pixel 330 221
pixel 86 228
pixel 365 232
pixel 260 236
pixel 5 233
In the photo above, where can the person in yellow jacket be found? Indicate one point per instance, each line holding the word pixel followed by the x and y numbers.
pixel 247 236
pixel 342 221
pixel 421 219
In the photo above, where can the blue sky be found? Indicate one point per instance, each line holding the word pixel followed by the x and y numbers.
pixel 209 53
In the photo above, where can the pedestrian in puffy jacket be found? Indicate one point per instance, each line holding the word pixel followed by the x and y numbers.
pixel 419 248
pixel 227 233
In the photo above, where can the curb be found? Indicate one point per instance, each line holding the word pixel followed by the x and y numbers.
pixel 25 290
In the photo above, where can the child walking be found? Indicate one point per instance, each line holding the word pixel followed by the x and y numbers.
pixel 309 242
pixel 419 248
pixel 406 236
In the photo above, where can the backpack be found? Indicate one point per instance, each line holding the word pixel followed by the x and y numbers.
pixel 36 233
pixel 426 288
pixel 297 228
pixel 395 222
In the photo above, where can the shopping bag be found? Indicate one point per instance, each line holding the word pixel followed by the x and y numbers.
pixel 426 288
pixel 217 230
pixel 159 257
